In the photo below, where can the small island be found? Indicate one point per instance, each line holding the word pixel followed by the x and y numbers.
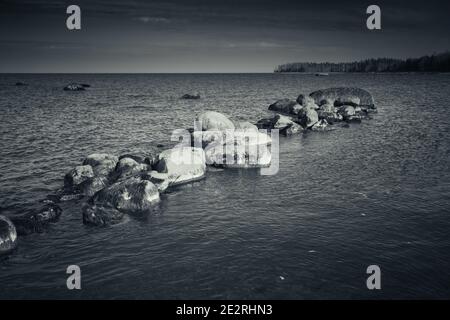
pixel 434 63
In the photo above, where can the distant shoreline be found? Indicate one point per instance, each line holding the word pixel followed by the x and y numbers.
pixel 434 63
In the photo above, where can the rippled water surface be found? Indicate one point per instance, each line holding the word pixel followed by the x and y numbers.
pixel 374 193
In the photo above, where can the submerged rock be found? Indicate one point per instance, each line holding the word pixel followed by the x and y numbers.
pixel 129 196
pixel 211 120
pixel 345 96
pixel 36 221
pixel 182 165
pixel 8 236
pixel 285 106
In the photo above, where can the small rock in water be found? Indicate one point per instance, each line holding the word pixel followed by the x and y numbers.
pixel 36 221
pixel 74 87
pixel 191 96
pixel 281 278
pixel 19 84
pixel 8 236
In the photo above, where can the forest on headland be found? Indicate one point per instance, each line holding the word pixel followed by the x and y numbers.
pixel 434 63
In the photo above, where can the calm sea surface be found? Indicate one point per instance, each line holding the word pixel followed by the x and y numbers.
pixel 374 193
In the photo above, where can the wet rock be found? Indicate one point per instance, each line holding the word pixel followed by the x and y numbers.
pixel 347 100
pixel 128 167
pixel 211 120
pixel 345 94
pixel 305 100
pixel 78 175
pixel 321 125
pixel 243 150
pixel 328 113
pixel 20 84
pixel 36 221
pixel 8 236
pixel 308 117
pixel 182 165
pixel 93 185
pixel 347 112
pixel 129 196
pixel 74 87
pixel 102 163
pixel 191 96
pixel 160 180
pixel 85 85
pixel 246 126
pixel 285 106
pixel 136 158
pixel 285 124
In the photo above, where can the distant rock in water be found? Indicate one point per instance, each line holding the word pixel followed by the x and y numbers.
pixel 74 87
pixel 20 84
pixel 8 236
pixel 85 85
pixel 190 96
pixel 345 96
pixel 285 124
pixel 36 221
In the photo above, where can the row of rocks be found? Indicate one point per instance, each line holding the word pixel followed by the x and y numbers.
pixel 319 110
pixel 129 184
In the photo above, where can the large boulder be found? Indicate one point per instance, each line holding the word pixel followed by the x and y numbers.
pixel 129 196
pixel 128 167
pixel 182 164
pixel 36 221
pixel 78 175
pixel 102 163
pixel 285 106
pixel 211 120
pixel 345 96
pixel 246 126
pixel 242 150
pixel 93 185
pixel 8 236
pixel 308 117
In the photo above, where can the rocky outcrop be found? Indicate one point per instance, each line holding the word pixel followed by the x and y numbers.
pixel 345 96
pixel 8 236
pixel 129 196
pixel 214 121
pixel 182 165
pixel 36 221
pixel 285 106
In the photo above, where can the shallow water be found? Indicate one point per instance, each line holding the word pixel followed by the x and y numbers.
pixel 374 193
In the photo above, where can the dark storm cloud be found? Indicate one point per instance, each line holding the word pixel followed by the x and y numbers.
pixel 209 36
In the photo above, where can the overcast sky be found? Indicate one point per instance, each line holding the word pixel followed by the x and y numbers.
pixel 212 36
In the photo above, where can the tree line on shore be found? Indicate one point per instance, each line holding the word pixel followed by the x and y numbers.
pixel 434 63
